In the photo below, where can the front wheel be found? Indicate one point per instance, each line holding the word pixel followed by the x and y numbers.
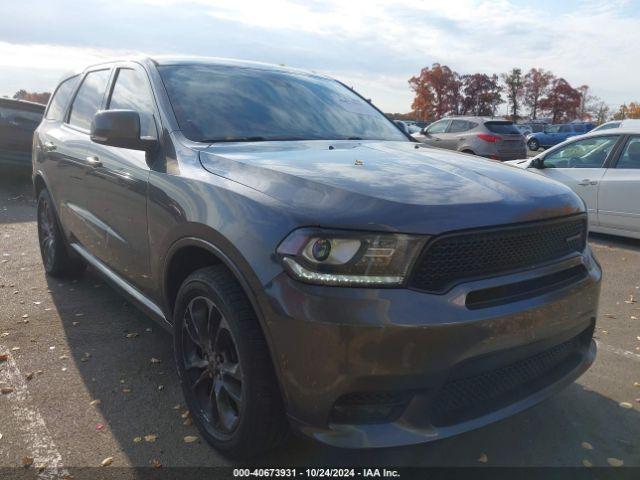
pixel 224 365
pixel 533 144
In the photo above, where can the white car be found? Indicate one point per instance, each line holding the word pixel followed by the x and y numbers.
pixel 602 167
pixel 627 123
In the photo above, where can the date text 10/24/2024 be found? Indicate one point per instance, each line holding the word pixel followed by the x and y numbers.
pixel 316 472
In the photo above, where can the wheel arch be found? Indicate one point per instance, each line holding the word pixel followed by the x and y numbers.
pixel 202 253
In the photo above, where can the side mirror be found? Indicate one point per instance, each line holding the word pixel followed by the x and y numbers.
pixel 537 163
pixel 424 132
pixel 119 128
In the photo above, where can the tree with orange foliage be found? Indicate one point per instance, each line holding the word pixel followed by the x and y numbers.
pixel 562 101
pixel 534 87
pixel 435 89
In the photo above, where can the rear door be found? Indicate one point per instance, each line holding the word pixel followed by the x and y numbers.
pixel 120 180
pixel 453 137
pixel 581 165
pixel 75 171
pixel 619 193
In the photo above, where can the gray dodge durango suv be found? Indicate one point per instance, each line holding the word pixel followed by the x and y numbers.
pixel 317 268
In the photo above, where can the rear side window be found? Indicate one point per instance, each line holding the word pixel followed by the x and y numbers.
pixel 458 126
pixel 88 99
pixel 60 99
pixel 504 128
pixel 131 92
pixel 607 126
pixel 565 129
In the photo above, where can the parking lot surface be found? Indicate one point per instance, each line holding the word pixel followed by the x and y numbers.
pixel 89 377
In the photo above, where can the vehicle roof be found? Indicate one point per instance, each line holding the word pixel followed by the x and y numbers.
pixel 163 60
pixel 476 118
pixel 24 104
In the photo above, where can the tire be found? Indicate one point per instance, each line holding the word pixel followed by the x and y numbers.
pixel 533 144
pixel 226 372
pixel 468 152
pixel 54 250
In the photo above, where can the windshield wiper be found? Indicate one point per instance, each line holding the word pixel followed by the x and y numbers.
pixel 235 139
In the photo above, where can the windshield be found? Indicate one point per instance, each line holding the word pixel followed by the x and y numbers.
pixel 227 103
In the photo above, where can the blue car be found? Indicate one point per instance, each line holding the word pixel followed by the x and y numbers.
pixel 554 134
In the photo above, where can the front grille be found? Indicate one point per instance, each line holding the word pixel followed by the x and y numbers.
pixel 453 258
pixel 461 399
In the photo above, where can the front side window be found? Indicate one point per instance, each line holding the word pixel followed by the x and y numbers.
pixel 131 92
pixel 60 98
pixel 585 153
pixel 630 157
pixel 551 128
pixel 88 99
pixel 18 118
pixel 565 129
pixel 438 127
pixel 215 103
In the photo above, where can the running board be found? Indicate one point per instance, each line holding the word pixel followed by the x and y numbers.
pixel 136 295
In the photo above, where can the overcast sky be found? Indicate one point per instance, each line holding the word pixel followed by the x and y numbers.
pixel 375 46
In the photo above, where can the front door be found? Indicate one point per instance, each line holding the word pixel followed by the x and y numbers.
pixel 435 132
pixel 121 181
pixel 581 165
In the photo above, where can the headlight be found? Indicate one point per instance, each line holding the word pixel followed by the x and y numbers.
pixel 349 258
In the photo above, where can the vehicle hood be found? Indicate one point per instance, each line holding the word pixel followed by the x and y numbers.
pixel 400 186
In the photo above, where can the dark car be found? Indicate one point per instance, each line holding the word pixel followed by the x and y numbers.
pixel 317 268
pixel 18 120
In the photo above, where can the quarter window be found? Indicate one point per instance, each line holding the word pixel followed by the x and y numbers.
pixel 585 153
pixel 630 157
pixel 60 99
pixel 88 99
pixel 131 92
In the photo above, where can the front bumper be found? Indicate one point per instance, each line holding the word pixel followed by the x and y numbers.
pixel 332 343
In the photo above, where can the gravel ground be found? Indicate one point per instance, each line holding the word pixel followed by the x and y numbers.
pixel 68 346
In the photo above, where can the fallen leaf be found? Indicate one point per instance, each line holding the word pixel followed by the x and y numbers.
pixel 26 462
pixel 185 414
pixel 132 335
pixel 137 439
pixel 75 324
pixel 107 461
pixel 177 407
pixel 79 314
pixel 126 390
pixel 626 405
pixel 633 318
pixel 155 360
pixel 631 299
pixel 160 387
pixel 587 463
pixel 586 446
pixel 155 463
pixel 615 462
pixel 29 376
pixel 188 422
pixel 40 467
pixel 608 315
pixel 15 349
pixel 95 402
pixel 63 357
pixel 4 357
pixel 150 438
pixel 6 390
pixel 26 315
pixel 190 439
pixel 100 426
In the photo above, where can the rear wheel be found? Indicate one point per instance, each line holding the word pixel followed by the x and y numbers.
pixel 467 151
pixel 533 144
pixel 224 365
pixel 56 258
